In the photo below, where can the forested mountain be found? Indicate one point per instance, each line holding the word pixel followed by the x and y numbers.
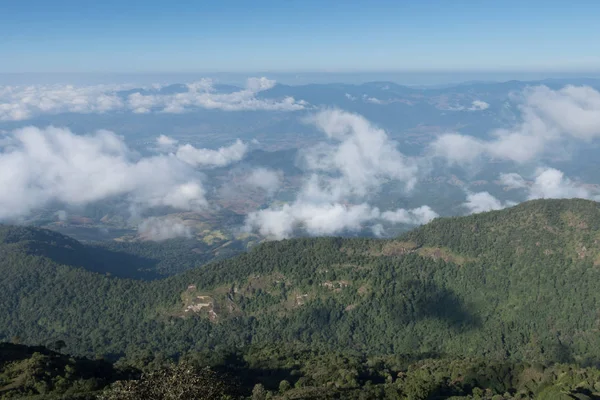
pixel 516 285
pixel 136 260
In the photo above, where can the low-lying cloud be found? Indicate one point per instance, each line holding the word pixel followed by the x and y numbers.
pixel 484 201
pixel 214 158
pixel 329 218
pixel 478 105
pixel 163 228
pixel 546 183
pixel 24 102
pixel 550 183
pixel 266 179
pixel 357 161
pixel 39 167
pixel 342 175
pixel 417 216
pixel 548 118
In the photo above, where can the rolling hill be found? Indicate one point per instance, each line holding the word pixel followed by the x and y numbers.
pixel 516 284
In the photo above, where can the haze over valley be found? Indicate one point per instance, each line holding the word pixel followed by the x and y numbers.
pixel 233 166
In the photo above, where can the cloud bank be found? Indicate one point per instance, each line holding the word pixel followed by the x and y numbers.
pixel 341 176
pixel 546 183
pixel 548 118
pixel 550 183
pixel 484 201
pixel 213 158
pixel 23 102
pixel 19 103
pixel 329 218
pixel 39 167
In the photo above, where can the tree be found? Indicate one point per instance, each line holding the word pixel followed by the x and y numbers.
pixel 259 392
pixel 284 386
pixel 180 382
pixel 57 345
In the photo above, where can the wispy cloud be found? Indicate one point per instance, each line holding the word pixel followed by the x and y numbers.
pixel 163 228
pixel 416 216
pixel 266 179
pixel 478 105
pixel 23 102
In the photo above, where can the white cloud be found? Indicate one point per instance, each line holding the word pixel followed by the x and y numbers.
pixel 547 183
pixel 164 140
pixel 62 215
pixel 416 216
pixel 573 110
pixel 349 169
pixel 363 158
pixel 479 105
pixel 378 230
pixel 24 102
pixel 207 157
pixel 163 228
pixel 196 157
pixel 330 218
pixel 372 100
pixel 484 201
pixel 265 179
pixel 44 166
pixel 550 183
pixel 166 144
pixel 457 148
pixel 548 117
pixel 142 104
pixel 512 181
pixel 203 95
pixel 323 219
pixel 259 84
pixel 476 105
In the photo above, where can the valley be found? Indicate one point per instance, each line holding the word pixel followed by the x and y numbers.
pixel 510 286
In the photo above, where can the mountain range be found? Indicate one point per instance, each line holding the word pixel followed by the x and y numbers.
pixel 515 285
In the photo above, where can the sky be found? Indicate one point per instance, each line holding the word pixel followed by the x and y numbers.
pixel 153 36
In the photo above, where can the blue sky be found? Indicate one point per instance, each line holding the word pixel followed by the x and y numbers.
pixel 289 35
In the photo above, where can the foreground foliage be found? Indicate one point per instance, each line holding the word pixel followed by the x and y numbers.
pixel 272 373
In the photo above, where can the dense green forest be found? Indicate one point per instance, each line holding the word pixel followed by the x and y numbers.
pixel 37 373
pixel 135 260
pixel 516 288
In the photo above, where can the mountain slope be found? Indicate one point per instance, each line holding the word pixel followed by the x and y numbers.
pixel 29 371
pixel 520 283
pixel 135 260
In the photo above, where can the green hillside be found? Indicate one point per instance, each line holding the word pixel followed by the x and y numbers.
pixel 38 373
pixel 135 260
pixel 521 284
